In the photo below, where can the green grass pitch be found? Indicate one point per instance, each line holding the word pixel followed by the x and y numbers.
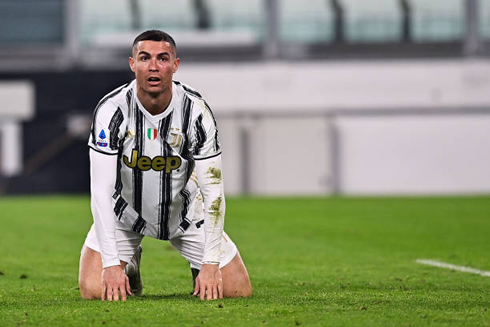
pixel 312 261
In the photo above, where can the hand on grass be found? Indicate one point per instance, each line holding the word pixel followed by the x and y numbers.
pixel 114 281
pixel 209 283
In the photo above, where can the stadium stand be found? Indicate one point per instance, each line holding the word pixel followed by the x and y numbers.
pixel 306 23
pixel 31 22
pixel 484 19
pixel 180 17
pixel 238 15
pixel 438 20
pixel 100 17
pixel 372 21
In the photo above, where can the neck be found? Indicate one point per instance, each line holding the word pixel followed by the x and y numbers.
pixel 155 103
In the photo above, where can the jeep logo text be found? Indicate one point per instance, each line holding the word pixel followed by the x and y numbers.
pixel 158 163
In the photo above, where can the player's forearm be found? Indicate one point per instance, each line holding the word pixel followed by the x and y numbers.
pixel 102 179
pixel 213 228
pixel 105 232
pixel 211 185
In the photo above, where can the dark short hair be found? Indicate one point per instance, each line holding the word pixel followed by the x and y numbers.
pixel 155 35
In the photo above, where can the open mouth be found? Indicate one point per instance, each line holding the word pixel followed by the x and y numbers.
pixel 154 80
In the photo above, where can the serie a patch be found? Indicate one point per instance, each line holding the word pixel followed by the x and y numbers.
pixel 101 140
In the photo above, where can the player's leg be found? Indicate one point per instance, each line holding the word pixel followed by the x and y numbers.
pixel 236 282
pixel 91 262
pixel 132 270
pixel 89 274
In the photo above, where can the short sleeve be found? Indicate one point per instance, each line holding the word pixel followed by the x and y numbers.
pixel 206 142
pixel 107 128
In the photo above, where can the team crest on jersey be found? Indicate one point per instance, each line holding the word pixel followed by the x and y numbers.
pixel 102 137
pixel 152 133
pixel 175 138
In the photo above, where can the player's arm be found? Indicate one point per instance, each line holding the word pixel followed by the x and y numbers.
pixel 102 179
pixel 206 151
pixel 108 128
pixel 209 283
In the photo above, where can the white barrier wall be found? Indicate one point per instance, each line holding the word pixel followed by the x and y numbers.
pixel 283 156
pixel 289 156
pixel 415 155
pixel 351 127
pixel 294 86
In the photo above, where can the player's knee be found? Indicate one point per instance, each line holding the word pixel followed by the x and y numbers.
pixel 247 292
pixel 241 288
pixel 89 292
pixel 244 292
pixel 239 292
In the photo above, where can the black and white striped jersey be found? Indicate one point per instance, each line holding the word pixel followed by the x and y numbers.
pixel 156 182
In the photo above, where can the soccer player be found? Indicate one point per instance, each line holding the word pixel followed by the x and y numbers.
pixel 155 164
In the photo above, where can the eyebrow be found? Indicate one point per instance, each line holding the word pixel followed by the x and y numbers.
pixel 158 55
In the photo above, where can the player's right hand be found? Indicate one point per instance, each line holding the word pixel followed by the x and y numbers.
pixel 114 281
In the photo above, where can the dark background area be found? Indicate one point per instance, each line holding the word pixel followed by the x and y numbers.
pixel 58 94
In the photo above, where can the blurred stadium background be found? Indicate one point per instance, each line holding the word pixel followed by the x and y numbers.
pixel 312 97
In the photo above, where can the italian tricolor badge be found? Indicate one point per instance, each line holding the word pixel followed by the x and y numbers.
pixel 152 133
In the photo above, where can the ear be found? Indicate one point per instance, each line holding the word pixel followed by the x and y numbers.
pixel 131 63
pixel 176 64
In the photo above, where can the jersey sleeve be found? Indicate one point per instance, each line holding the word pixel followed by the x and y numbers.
pixel 205 142
pixel 211 184
pixel 107 128
pixel 102 180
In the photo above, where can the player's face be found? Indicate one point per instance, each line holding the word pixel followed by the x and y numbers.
pixel 154 63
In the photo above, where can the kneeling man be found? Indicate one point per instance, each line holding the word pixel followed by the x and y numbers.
pixel 155 164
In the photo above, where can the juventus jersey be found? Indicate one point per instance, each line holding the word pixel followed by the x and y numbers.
pixel 156 182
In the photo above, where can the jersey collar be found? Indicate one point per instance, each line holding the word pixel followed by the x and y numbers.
pixel 165 113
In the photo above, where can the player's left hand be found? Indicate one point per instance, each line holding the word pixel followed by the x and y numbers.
pixel 209 283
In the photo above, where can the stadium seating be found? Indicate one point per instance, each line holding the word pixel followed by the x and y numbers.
pixel 175 14
pixel 108 16
pixel 237 15
pixel 438 20
pixel 484 11
pixel 305 23
pixel 372 21
pixel 22 22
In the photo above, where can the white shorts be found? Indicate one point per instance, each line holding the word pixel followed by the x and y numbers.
pixel 190 245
